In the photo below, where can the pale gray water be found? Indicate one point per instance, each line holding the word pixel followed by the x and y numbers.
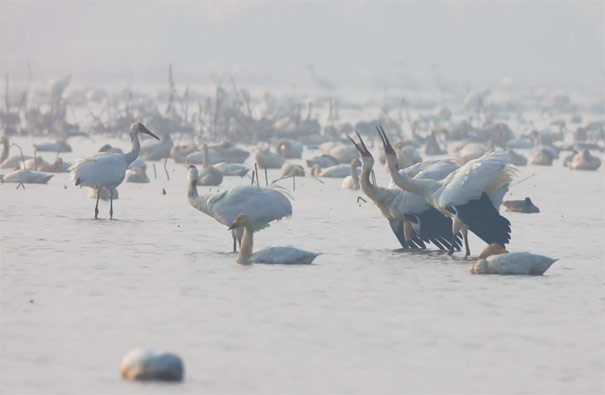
pixel 365 318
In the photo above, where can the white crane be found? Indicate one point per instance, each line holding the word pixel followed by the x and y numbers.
pixel 262 205
pixel 471 195
pixel 106 170
pixel 412 219
pixel 273 255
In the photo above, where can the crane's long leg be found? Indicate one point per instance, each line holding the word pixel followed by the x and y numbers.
pixel 457 226
pixel 234 241
pixel 465 235
pixel 407 234
pixel 97 206
pixel 110 204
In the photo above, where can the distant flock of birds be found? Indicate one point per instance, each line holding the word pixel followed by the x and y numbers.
pixel 433 202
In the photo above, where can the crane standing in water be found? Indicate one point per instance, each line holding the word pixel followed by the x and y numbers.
pixel 106 170
pixel 471 195
pixel 261 205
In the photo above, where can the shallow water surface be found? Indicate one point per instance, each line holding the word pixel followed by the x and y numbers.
pixel 78 294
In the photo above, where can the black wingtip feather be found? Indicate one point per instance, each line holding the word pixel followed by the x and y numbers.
pixel 437 229
pixel 484 220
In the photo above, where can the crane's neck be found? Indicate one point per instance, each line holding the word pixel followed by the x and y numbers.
pixel 416 186
pixel 245 250
pixel 381 196
pixel 5 149
pixel 136 149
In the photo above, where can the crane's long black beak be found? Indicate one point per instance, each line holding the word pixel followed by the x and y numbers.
pixel 147 131
pixel 361 147
pixel 388 148
pixel 232 227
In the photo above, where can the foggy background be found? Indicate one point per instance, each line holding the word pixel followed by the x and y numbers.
pixel 348 44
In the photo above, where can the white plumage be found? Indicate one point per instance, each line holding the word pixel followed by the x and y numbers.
pixel 496 260
pixel 232 169
pixel 485 174
pixel 141 364
pixel 338 171
pixel 107 170
pixel 406 212
pixel 461 195
pixel 262 205
pixel 100 170
pixel 282 256
pixel 273 255
pixel 26 177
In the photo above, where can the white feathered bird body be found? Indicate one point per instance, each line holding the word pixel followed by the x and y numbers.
pixel 282 256
pixel 489 174
pixel 100 170
pixel 261 205
pixel 514 263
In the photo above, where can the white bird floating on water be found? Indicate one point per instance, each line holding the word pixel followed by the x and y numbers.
pixel 471 195
pixel 136 175
pixel 107 170
pixel 232 169
pixel 496 260
pixel 338 171
pixel 60 146
pixel 273 255
pixel 225 152
pixel 209 175
pixel 262 205
pixel 584 161
pixel 145 365
pixel 22 176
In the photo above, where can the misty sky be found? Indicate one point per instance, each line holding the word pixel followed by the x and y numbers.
pixel 349 43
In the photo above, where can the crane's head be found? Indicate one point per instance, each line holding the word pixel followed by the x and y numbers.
pixel 138 127
pixel 389 153
pixel 240 221
pixel 192 174
pixel 367 159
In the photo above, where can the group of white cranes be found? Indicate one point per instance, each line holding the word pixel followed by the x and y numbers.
pixel 434 202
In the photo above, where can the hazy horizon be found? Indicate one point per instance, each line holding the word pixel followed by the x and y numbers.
pixel 351 44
